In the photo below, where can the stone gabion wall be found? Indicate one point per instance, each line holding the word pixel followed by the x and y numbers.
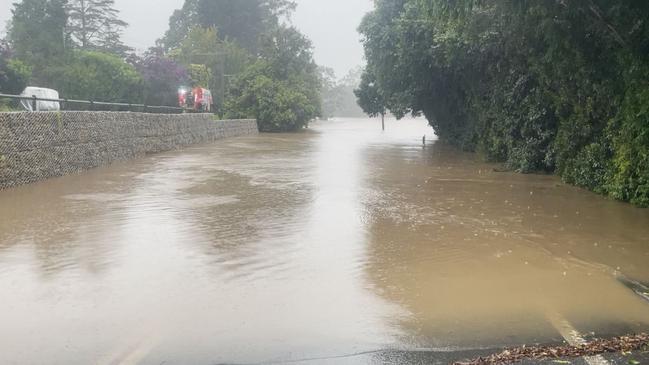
pixel 41 145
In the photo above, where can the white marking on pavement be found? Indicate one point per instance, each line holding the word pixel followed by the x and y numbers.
pixel 133 353
pixel 573 337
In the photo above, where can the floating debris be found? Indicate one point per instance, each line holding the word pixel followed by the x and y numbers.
pixel 624 344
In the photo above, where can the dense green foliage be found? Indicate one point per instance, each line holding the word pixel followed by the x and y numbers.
pixel 48 36
pixel 277 105
pixel 14 74
pixel 281 89
pixel 99 76
pixel 37 35
pixel 209 59
pixel 254 65
pixel 543 85
pixel 370 96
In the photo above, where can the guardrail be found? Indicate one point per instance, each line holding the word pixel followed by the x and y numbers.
pixel 95 105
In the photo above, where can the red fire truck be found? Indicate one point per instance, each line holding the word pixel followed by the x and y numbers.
pixel 197 99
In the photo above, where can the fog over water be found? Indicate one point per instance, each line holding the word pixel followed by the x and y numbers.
pixel 331 25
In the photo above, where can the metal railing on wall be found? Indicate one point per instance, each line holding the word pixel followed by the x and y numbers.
pixel 96 105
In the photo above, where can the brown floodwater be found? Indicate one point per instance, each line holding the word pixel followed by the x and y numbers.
pixel 339 244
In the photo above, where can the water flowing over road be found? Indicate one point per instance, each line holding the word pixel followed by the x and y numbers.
pixel 338 244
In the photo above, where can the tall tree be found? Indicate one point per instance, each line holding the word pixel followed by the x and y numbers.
pixel 282 88
pixel 240 21
pixel 202 49
pixel 95 25
pixel 37 32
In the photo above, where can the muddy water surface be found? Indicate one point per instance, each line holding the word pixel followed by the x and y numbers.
pixel 338 241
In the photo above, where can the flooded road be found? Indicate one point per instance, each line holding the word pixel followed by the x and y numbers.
pixel 341 244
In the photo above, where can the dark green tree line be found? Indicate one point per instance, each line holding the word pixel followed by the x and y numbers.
pixel 257 66
pixel 14 74
pixel 543 85
pixel 37 35
pixel 281 89
pixel 74 47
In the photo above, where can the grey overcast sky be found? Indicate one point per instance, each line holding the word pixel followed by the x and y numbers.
pixel 330 24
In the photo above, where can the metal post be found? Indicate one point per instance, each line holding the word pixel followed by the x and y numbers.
pixel 92 105
pixel 383 121
pixel 34 103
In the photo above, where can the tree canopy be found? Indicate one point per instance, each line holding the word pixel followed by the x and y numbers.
pixel 14 74
pixel 257 67
pixel 47 34
pixel 557 86
pixel 282 88
pixel 254 65
pixel 95 25
pixel 37 34
pixel 241 21
pixel 99 76
pixel 370 96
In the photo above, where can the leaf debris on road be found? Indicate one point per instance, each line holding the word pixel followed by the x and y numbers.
pixel 593 348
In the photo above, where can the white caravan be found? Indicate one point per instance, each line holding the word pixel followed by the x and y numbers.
pixel 41 105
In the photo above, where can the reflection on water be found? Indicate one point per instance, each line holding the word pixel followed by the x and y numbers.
pixel 339 240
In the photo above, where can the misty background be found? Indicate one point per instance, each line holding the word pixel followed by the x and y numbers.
pixel 331 26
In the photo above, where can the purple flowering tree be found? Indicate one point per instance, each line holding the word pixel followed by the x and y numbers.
pixel 162 77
